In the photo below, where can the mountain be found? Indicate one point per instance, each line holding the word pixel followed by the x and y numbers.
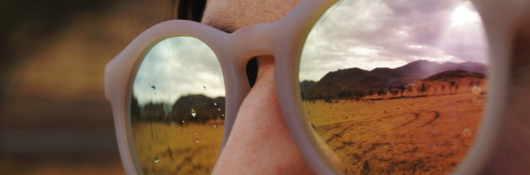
pixel 382 78
pixel 452 74
pixel 205 109
pixel 423 69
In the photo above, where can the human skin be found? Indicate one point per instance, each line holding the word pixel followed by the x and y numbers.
pixel 511 155
pixel 260 142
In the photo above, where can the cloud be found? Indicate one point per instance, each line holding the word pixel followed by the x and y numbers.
pixel 390 33
pixel 177 67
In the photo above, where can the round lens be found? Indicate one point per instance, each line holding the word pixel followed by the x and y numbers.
pixel 396 87
pixel 177 108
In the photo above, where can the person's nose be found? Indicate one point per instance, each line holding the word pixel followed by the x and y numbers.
pixel 260 142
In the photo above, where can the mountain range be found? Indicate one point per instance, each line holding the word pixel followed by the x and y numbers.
pixel 382 78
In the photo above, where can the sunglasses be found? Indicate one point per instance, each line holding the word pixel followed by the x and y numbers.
pixel 389 87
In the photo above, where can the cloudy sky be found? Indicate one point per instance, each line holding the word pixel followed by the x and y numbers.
pixel 391 33
pixel 177 67
pixel 353 33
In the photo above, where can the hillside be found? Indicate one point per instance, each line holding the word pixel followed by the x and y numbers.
pixel 205 109
pixel 382 78
pixel 452 74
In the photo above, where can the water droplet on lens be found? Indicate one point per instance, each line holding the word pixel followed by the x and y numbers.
pixel 477 101
pixel 155 93
pixel 223 115
pixel 182 121
pixel 466 132
pixel 219 109
pixel 214 71
pixel 204 87
pixel 197 141
pixel 156 159
pixel 215 104
pixel 193 113
pixel 214 126
pixel 195 132
pixel 476 90
pixel 153 88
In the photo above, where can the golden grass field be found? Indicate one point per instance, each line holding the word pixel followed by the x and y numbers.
pixel 425 133
pixel 419 133
pixel 176 146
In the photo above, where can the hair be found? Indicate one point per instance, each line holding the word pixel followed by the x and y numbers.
pixel 193 10
pixel 189 9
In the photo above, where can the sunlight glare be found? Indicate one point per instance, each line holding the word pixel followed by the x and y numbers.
pixel 463 15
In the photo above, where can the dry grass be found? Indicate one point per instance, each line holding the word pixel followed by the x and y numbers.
pixel 420 134
pixel 177 148
pixel 427 133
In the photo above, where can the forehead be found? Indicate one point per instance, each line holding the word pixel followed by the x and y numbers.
pixel 230 15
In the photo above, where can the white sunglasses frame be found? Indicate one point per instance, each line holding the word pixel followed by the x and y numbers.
pixel 284 40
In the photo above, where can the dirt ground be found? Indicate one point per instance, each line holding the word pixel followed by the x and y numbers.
pixel 427 133
pixel 192 148
pixel 419 133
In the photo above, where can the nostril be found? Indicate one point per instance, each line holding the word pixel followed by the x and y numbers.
pixel 252 71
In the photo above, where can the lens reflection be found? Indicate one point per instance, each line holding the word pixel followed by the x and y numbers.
pixel 396 87
pixel 177 100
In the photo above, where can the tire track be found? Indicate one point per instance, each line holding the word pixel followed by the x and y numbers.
pixel 435 117
pixel 410 121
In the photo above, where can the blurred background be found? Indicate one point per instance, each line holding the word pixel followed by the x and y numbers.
pixel 54 118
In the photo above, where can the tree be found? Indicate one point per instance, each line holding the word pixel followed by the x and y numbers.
pixel 471 83
pixel 456 87
pixel 344 93
pixel 359 93
pixel 395 92
pixel 135 108
pixel 402 89
pixel 418 89
pixel 329 96
pixel 452 83
pixel 381 92
pixel 409 89
pixel 371 92
pixel 423 87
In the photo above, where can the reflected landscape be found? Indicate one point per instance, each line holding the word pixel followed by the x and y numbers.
pixel 423 125
pixel 395 88
pixel 177 108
